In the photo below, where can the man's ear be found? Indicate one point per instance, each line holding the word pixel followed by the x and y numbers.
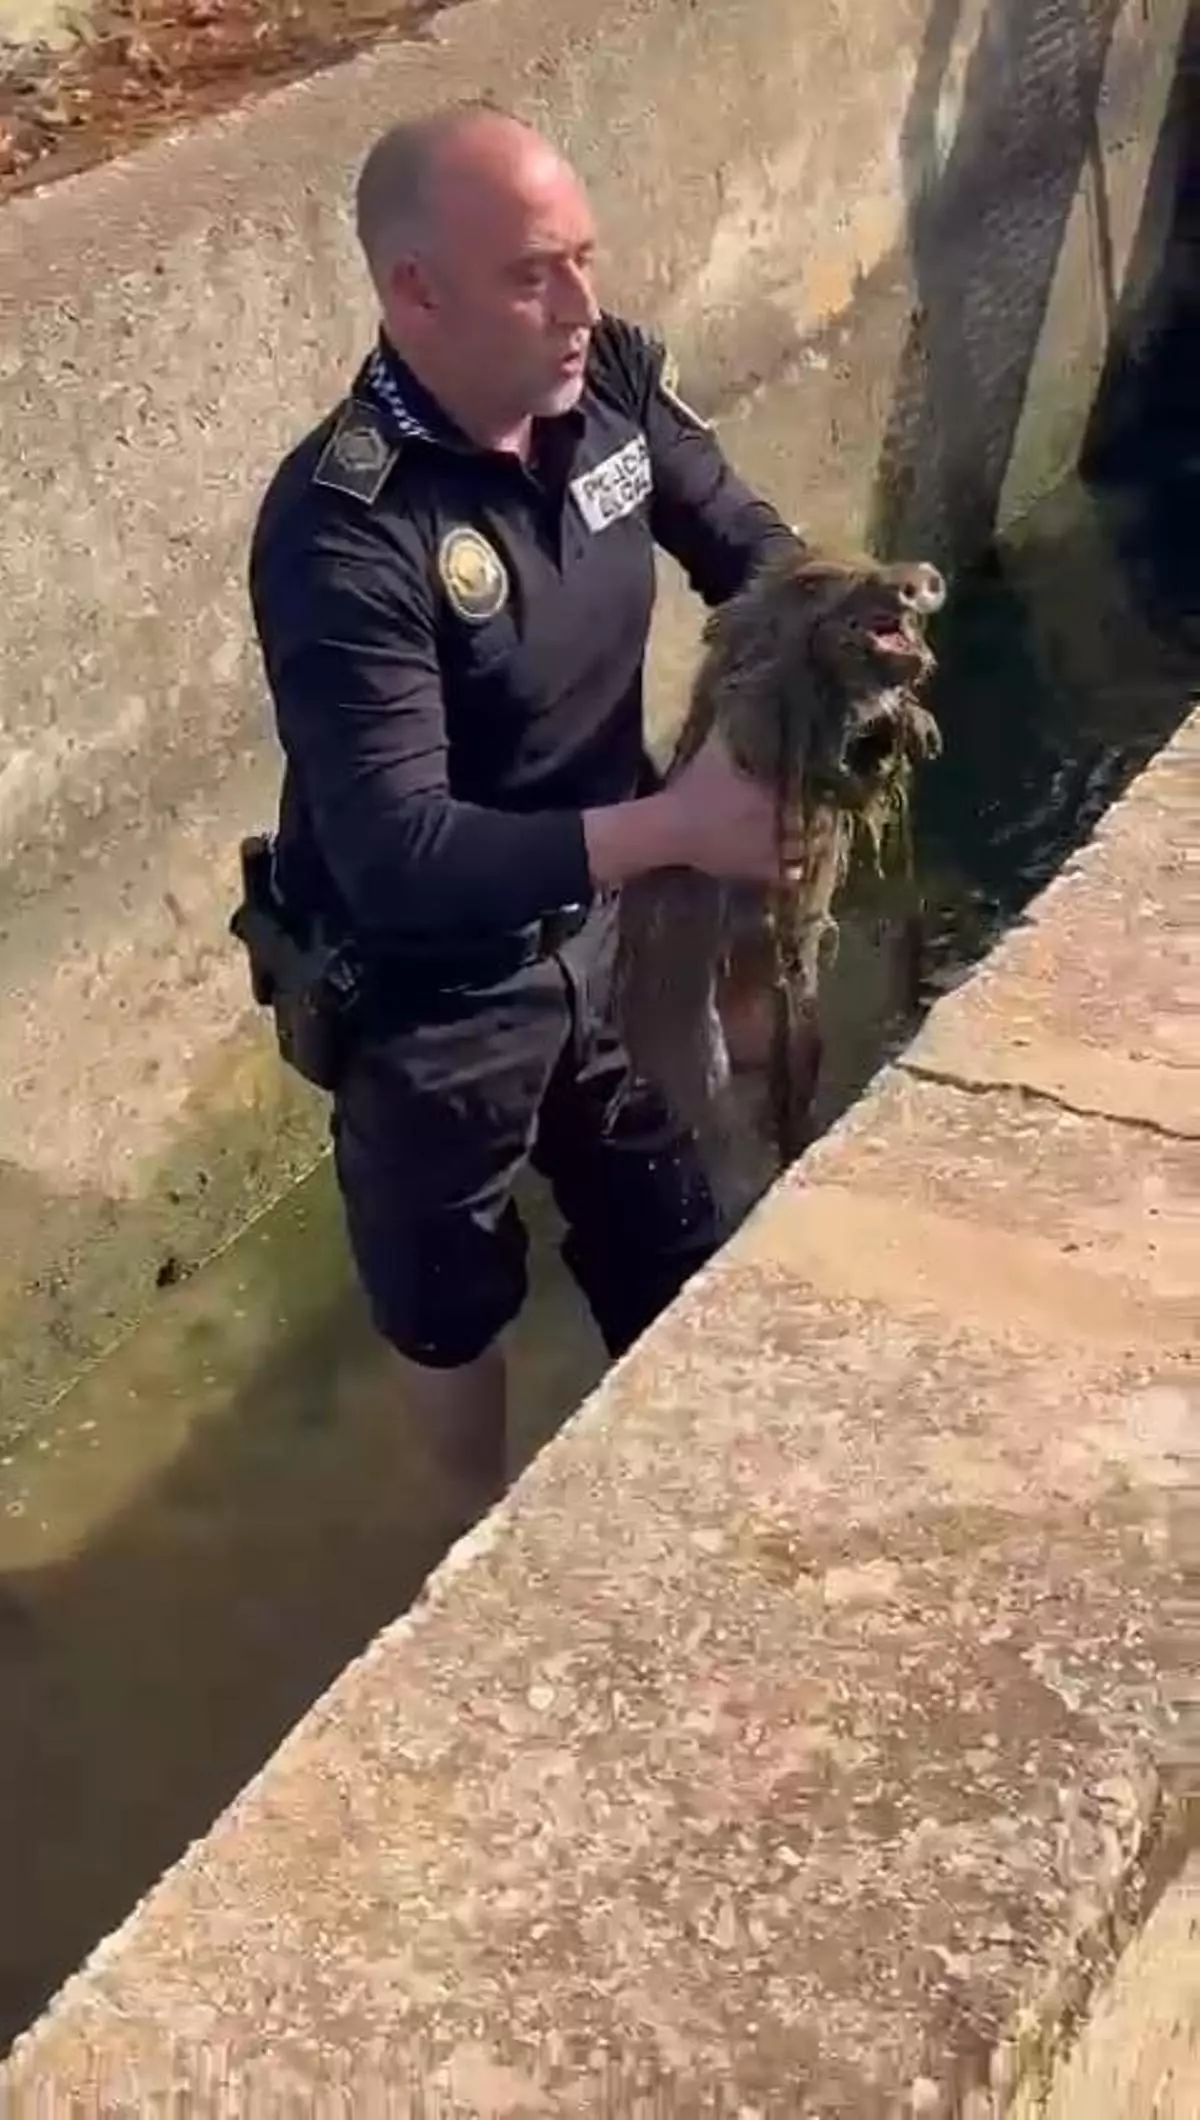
pixel 411 286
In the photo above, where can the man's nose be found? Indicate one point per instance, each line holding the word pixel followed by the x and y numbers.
pixel 577 302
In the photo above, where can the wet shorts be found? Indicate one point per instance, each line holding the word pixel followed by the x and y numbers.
pixel 433 1123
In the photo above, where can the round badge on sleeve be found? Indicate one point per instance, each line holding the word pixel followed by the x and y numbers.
pixel 472 575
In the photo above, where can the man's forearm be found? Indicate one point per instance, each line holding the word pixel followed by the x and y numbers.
pixel 442 869
pixel 628 839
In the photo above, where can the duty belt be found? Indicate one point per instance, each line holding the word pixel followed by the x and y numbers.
pixel 420 972
pixel 558 927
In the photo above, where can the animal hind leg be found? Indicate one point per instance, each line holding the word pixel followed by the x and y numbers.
pixel 671 936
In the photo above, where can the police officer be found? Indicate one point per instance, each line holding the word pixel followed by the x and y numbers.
pixel 452 580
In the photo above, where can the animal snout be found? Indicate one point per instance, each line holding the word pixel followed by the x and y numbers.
pixel 923 590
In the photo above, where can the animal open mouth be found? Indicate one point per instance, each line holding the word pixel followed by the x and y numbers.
pixel 899 652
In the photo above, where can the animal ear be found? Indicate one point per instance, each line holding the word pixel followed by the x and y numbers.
pixel 834 572
pixel 818 588
pixel 815 568
pixel 778 567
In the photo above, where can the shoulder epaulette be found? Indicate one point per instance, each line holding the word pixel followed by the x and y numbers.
pixel 668 388
pixel 358 455
pixel 631 364
pixel 617 361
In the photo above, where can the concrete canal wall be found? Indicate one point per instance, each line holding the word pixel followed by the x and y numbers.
pixel 814 1726
pixel 891 245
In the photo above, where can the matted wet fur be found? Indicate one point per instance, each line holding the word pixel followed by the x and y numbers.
pixel 812 674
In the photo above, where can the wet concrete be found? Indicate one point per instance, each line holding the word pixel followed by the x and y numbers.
pixel 214 1522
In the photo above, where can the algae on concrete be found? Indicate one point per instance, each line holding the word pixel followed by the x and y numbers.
pixel 195 1540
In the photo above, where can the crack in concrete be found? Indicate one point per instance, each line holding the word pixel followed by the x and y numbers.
pixel 949 1079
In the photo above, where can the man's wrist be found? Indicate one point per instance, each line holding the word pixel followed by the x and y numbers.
pixel 629 839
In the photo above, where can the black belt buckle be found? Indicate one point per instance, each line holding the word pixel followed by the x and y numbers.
pixel 560 926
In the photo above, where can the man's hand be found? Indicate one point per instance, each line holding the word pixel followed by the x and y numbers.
pixel 724 823
pixel 713 818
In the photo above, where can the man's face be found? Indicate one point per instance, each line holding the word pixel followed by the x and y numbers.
pixel 506 295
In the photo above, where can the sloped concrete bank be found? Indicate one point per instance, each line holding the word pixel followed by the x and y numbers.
pixel 813 1727
pixel 889 250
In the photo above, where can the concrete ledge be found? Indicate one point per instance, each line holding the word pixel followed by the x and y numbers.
pixel 1094 1005
pixel 797 1736
pixel 1139 2055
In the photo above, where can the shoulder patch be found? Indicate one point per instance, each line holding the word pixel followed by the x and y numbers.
pixel 668 388
pixel 358 455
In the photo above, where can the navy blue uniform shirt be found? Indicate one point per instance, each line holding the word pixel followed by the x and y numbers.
pixel 454 639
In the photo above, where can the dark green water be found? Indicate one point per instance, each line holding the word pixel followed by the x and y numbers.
pixel 1066 660
pixel 227 1509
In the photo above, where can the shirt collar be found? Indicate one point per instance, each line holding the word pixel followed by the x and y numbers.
pixel 409 409
pixel 413 413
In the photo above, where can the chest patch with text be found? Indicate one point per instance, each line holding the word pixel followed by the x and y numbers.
pixel 614 488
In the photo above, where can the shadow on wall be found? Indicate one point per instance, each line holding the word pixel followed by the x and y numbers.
pixel 986 223
pixel 1143 420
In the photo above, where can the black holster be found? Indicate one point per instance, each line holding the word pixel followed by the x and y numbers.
pixel 314 987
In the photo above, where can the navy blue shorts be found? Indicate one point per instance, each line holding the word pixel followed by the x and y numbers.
pixel 433 1124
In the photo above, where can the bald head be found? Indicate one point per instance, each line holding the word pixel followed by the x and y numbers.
pixel 419 172
pixel 480 240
